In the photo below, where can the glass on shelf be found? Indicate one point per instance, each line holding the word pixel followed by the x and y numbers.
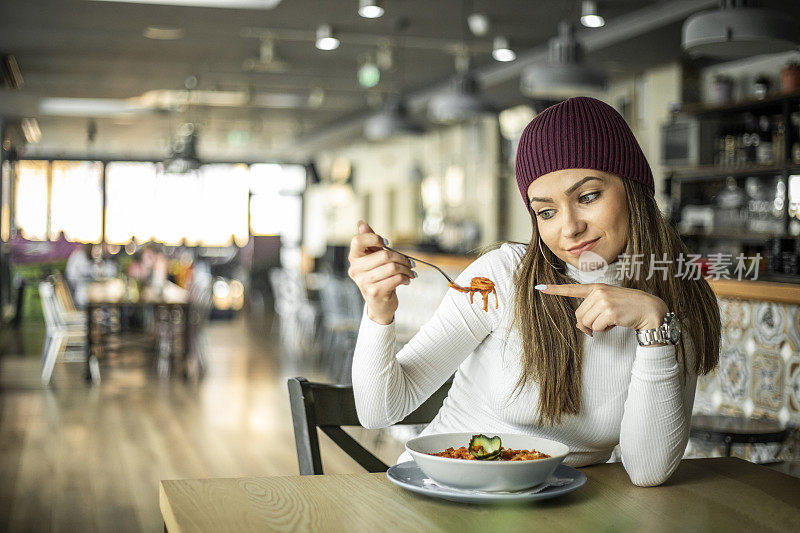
pixel 767 201
pixel 730 200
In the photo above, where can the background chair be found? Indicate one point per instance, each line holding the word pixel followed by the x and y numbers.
pixel 329 407
pixel 62 337
pixel 66 307
pixel 199 310
pixel 297 315
pixel 342 307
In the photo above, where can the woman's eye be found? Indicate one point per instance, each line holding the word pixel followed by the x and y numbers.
pixel 588 197
pixel 544 214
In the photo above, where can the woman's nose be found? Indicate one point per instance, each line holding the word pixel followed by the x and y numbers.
pixel 573 224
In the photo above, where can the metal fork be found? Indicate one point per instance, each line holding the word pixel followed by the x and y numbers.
pixel 442 272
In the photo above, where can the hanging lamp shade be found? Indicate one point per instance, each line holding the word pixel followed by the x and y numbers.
pixel 565 69
pixel 735 31
pixel 392 120
pixel 463 101
pixel 183 156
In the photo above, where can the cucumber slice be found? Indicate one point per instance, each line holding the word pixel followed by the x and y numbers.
pixel 484 448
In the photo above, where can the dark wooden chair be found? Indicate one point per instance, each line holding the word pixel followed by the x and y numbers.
pixel 329 407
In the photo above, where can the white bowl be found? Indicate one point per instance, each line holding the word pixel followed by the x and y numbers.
pixel 486 475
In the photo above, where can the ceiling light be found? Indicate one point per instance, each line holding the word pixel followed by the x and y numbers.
pixel 502 51
pixel 565 69
pixel 172 99
pixel 735 31
pixel 369 74
pixel 228 4
pixel 589 16
pixel 463 101
pixel 183 152
pixel 31 130
pixel 268 59
pixel 393 120
pixel 90 107
pixel 370 9
pixel 266 52
pixel 316 97
pixel 10 75
pixel 162 33
pixel 385 57
pixel 325 38
pixel 479 24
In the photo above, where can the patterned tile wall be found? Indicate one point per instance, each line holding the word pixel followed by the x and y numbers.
pixel 758 375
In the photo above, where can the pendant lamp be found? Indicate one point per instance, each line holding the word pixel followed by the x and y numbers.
pixel 736 31
pixel 393 120
pixel 463 101
pixel 565 68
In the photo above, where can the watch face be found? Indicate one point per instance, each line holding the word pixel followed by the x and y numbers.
pixel 674 331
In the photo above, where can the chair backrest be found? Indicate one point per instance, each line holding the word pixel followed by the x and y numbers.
pixel 288 289
pixel 53 318
pixel 329 407
pixel 340 300
pixel 63 296
pixel 200 297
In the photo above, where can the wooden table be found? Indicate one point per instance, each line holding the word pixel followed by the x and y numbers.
pixel 109 294
pixel 722 494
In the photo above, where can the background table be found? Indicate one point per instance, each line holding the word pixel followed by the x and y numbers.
pixel 171 301
pixel 730 430
pixel 704 494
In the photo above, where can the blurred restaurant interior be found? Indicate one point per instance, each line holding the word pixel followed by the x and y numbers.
pixel 181 180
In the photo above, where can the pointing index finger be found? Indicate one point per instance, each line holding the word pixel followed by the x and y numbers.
pixel 573 290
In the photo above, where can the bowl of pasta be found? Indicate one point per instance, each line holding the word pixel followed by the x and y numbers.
pixel 487 461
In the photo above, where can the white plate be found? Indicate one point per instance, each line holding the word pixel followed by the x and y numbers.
pixel 486 475
pixel 411 477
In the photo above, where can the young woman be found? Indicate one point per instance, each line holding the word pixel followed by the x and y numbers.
pixel 600 333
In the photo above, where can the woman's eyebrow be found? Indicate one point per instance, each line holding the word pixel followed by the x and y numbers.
pixel 568 191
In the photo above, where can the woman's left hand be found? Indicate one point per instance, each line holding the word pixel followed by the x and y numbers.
pixel 605 306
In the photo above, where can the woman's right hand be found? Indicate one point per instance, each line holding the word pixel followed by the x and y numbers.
pixel 378 273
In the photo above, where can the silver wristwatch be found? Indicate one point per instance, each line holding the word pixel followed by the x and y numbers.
pixel 669 332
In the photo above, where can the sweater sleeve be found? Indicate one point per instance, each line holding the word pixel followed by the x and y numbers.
pixel 658 410
pixel 389 386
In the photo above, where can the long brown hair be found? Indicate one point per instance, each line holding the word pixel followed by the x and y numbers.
pixel 552 347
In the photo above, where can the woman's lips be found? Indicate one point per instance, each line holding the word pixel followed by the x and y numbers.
pixel 585 248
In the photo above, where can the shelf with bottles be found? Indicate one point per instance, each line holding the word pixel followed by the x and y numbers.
pixel 749 207
pixel 754 137
pixel 732 234
pixel 752 214
pixel 771 103
pixel 716 172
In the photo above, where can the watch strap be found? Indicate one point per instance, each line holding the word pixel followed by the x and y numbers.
pixel 659 335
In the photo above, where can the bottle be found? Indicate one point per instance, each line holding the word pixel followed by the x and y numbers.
pixel 795 118
pixel 778 140
pixel 764 150
pixel 730 147
pixel 719 147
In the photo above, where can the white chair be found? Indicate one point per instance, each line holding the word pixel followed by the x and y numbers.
pixel 72 316
pixel 200 297
pixel 61 337
pixel 297 314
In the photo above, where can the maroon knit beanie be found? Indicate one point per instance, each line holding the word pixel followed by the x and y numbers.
pixel 581 132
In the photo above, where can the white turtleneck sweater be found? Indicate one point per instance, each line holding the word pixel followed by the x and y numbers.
pixel 633 396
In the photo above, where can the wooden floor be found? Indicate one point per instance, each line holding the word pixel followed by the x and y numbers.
pixel 75 457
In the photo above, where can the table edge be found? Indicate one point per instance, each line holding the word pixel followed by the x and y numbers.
pixel 167 514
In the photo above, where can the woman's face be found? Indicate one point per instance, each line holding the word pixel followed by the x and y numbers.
pixel 580 210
